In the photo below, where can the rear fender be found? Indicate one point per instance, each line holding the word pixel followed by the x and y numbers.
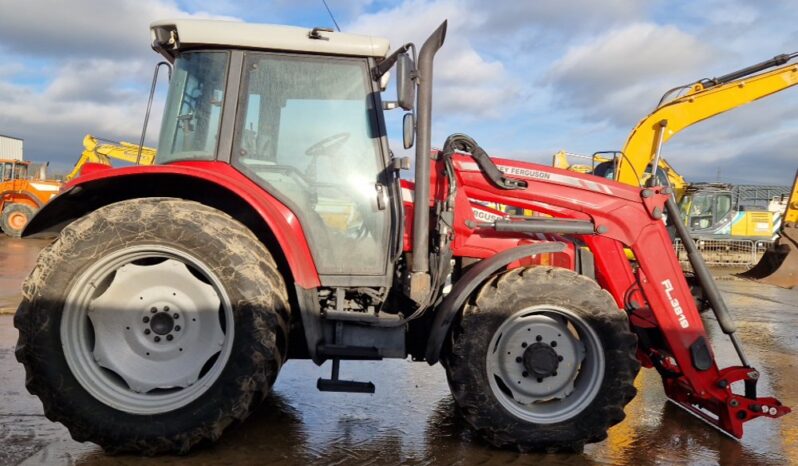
pixel 214 184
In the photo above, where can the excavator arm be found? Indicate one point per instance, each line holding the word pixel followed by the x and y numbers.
pixel 100 151
pixel 703 99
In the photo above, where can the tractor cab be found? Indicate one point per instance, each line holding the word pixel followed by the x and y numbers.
pixel 304 122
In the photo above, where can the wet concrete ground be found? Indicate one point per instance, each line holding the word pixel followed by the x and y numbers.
pixel 411 419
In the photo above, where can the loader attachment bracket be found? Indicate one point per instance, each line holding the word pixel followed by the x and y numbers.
pixel 722 408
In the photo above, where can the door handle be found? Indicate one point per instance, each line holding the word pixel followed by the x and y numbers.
pixel 381 201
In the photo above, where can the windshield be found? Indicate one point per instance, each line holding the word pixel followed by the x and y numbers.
pixel 190 127
pixel 13 171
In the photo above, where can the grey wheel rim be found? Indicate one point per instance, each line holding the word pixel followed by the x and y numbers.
pixel 147 329
pixel 545 364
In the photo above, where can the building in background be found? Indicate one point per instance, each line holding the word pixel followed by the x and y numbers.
pixel 10 148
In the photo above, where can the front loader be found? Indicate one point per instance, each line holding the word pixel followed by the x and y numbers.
pixel 275 225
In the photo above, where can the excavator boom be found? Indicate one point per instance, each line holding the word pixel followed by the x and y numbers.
pixel 703 100
pixel 99 151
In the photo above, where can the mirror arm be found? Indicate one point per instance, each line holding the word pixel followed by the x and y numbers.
pixel 386 64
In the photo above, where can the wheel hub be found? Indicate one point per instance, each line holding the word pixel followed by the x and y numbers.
pixel 540 360
pixel 162 323
pixel 544 363
pixel 17 220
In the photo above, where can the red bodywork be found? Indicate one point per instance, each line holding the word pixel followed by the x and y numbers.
pixel 654 291
pixel 282 222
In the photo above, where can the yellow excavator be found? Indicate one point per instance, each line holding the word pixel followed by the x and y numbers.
pixel 779 265
pixel 668 176
pixel 701 100
pixel 101 151
pixel 640 160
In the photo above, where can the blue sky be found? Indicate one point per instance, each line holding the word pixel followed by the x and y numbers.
pixel 526 79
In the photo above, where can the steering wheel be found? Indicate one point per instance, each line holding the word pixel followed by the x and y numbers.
pixel 328 145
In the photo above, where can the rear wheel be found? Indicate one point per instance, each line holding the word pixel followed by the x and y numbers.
pixel 14 219
pixel 542 359
pixel 151 325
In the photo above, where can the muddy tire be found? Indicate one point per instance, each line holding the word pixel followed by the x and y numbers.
pixel 204 316
pixel 14 219
pixel 542 359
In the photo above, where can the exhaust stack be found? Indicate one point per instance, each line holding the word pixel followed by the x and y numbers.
pixel 419 282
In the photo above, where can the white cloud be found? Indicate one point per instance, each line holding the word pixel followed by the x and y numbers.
pixel 524 77
pixel 564 16
pixel 466 83
pixel 98 68
pixel 77 101
pixel 621 74
pixel 116 29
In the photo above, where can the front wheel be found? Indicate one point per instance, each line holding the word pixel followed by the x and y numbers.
pixel 14 219
pixel 542 359
pixel 151 325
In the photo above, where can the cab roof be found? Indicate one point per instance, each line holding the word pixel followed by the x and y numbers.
pixel 170 36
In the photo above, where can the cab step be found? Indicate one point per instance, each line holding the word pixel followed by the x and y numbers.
pixel 334 384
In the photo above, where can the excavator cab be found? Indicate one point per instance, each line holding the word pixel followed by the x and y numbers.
pixel 706 210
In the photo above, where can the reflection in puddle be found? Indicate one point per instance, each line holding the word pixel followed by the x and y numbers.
pixel 412 419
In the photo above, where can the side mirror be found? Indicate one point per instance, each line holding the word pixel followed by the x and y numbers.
pixel 408 130
pixel 405 82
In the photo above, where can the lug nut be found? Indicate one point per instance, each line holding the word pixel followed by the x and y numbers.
pixel 559 358
pixel 146 331
pixel 525 374
pixel 146 319
pixel 518 359
pixel 157 339
pixel 554 344
pixel 523 345
pixel 177 328
pixel 166 308
pixel 176 315
pixel 153 310
pixel 169 337
pixel 538 338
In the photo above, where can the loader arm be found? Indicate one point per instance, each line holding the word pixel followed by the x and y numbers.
pixel 654 292
pixel 703 100
pixel 99 151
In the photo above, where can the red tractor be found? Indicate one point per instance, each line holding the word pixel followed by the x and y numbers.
pixel 275 226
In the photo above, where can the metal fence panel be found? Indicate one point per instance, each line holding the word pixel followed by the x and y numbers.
pixel 726 252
